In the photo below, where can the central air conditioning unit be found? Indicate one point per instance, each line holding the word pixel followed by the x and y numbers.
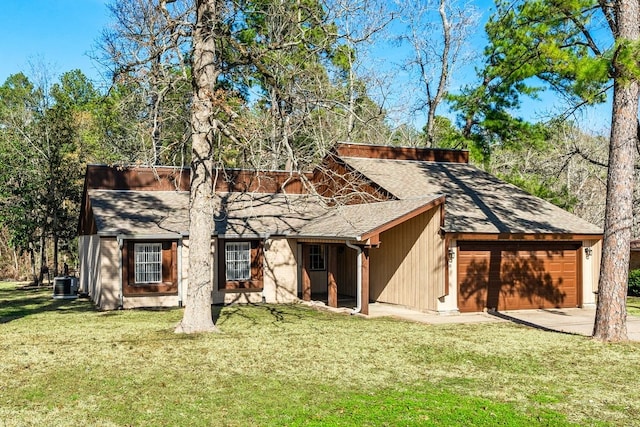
pixel 65 287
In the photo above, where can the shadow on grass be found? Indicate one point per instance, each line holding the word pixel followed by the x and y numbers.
pixel 278 314
pixel 17 303
pixel 633 306
pixel 526 323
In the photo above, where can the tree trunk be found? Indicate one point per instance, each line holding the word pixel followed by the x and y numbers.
pixel 56 270
pixel 434 101
pixel 43 261
pixel 611 312
pixel 16 265
pixel 197 315
pixel 32 260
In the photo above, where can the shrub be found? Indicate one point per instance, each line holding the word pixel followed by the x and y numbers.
pixel 634 283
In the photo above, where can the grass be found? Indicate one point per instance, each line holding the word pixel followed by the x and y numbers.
pixel 633 306
pixel 63 363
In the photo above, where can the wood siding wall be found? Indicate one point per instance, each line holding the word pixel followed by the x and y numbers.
pixel 596 258
pixel 89 256
pixel 163 178
pixel 107 288
pixel 335 180
pixel 403 153
pixel 634 260
pixel 169 283
pixel 346 275
pixel 408 268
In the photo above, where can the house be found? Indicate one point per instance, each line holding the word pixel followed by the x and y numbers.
pixel 417 227
pixel 634 255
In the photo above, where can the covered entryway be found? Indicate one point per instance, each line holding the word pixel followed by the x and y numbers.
pixel 328 273
pixel 518 275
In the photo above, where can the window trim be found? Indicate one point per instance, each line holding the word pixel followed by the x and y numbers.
pixel 168 284
pixel 255 283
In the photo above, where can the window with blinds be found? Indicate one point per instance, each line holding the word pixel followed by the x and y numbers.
pixel 238 261
pixel 148 262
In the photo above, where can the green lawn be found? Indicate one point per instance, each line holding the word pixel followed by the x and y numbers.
pixel 633 306
pixel 62 363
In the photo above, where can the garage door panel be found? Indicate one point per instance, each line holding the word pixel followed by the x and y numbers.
pixel 508 276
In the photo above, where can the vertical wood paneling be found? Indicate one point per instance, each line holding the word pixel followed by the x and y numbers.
pixel 306 280
pixel 408 268
pixel 366 281
pixel 332 272
pixel 596 257
pixel 346 275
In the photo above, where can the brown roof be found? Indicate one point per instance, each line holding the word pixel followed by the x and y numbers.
pixel 477 202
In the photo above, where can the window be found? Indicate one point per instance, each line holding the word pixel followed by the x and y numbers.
pixel 148 263
pixel 238 260
pixel 316 257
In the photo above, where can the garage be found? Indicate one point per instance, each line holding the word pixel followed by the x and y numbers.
pixel 518 275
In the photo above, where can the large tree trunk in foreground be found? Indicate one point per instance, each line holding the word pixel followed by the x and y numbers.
pixel 611 313
pixel 197 315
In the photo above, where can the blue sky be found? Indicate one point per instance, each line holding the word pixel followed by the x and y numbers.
pixel 57 33
pixel 61 33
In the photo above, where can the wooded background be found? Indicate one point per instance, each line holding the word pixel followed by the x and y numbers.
pixel 294 77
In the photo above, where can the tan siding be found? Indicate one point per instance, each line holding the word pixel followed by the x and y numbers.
pixel 408 268
pixel 151 301
pixel 108 291
pixel 280 271
pixel 89 254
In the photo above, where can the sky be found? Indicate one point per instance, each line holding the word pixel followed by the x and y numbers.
pixel 60 34
pixel 56 33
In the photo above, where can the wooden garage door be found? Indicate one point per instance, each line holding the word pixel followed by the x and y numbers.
pixel 515 276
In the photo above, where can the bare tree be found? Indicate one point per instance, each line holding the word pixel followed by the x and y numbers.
pixel 145 50
pixel 204 136
pixel 436 34
pixel 362 24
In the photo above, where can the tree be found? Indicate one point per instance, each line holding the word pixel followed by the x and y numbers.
pixel 40 165
pixel 561 46
pixel 624 21
pixel 262 74
pixel 146 52
pixel 204 136
pixel 436 33
pixel 550 164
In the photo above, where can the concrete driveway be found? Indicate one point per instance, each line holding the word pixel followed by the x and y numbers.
pixel 569 320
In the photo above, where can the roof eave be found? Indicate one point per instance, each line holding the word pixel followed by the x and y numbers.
pixel 531 236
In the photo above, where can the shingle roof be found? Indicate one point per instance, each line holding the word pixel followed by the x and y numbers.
pixel 355 221
pixel 244 214
pixel 140 212
pixel 476 202
pixel 162 212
